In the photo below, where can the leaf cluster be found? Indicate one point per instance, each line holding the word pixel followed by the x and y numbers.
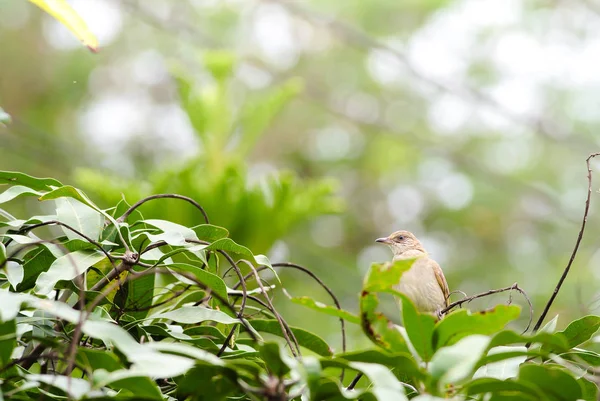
pixel 105 303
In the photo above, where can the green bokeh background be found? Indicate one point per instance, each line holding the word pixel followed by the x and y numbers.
pixel 325 125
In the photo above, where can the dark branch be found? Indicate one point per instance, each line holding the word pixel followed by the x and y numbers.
pixel 162 196
pixel 68 227
pixel 325 287
pixel 515 286
pixel 285 329
pixel 574 253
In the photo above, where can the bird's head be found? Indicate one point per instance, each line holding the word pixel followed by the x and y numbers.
pixel 401 241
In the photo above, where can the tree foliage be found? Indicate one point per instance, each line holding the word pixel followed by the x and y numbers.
pixel 106 303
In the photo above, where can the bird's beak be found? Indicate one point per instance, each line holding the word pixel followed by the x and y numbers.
pixel 383 240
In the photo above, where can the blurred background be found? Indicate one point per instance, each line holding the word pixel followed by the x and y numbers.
pixel 310 128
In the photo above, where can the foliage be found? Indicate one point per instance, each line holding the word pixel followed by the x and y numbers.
pixel 218 176
pixel 61 10
pixel 105 303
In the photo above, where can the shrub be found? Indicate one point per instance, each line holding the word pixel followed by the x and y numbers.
pixel 99 304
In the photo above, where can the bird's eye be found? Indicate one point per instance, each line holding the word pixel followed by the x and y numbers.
pixel 400 238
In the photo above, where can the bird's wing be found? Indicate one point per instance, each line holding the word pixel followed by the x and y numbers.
pixel 439 276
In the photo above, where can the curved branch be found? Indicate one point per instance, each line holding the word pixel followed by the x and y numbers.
pixel 325 287
pixel 515 286
pixel 285 329
pixel 574 253
pixel 189 276
pixel 240 313
pixel 162 196
pixel 68 227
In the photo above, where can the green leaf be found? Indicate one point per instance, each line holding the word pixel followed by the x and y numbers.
pixel 72 192
pixel 210 233
pixel 17 224
pixel 462 323
pixel 8 340
pixel 205 383
pixel 140 294
pixel 228 245
pixel 506 362
pixel 14 273
pixel 173 234
pixel 550 327
pixel 305 338
pixel 397 362
pixel 67 267
pixel 143 357
pixel 38 184
pixel 137 384
pixel 456 363
pixel 276 359
pixel 220 63
pixel 16 191
pixel 2 255
pixel 326 309
pixel 380 330
pixel 98 359
pixel 556 383
pixel 590 357
pixel 204 331
pixel 257 115
pixel 589 389
pixel 61 10
pixel 384 385
pixel 186 350
pixel 37 261
pixel 381 277
pixel 419 328
pixel 581 330
pixel 508 387
pixel 212 281
pixel 191 102
pixel 77 388
pixel 556 341
pixel 79 216
pixel 195 314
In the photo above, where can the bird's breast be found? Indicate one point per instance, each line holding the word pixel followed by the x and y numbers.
pixel 421 286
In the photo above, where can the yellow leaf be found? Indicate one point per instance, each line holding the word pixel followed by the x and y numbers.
pixel 63 12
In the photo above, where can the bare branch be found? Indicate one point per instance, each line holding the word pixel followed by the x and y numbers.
pixel 325 287
pixel 285 329
pixel 162 196
pixel 574 253
pixel 515 286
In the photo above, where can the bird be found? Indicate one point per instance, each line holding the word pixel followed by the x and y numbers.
pixel 424 283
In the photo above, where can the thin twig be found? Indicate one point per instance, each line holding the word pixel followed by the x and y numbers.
pixel 284 326
pixel 240 313
pixel 354 381
pixel 325 287
pixel 515 286
pixel 189 276
pixel 162 196
pixel 76 334
pixel 574 253
pixel 68 227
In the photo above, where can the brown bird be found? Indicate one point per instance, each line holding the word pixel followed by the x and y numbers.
pixel 424 283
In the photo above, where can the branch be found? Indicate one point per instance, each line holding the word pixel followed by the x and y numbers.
pixel 325 287
pixel 285 329
pixel 574 253
pixel 515 286
pixel 129 260
pixel 162 196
